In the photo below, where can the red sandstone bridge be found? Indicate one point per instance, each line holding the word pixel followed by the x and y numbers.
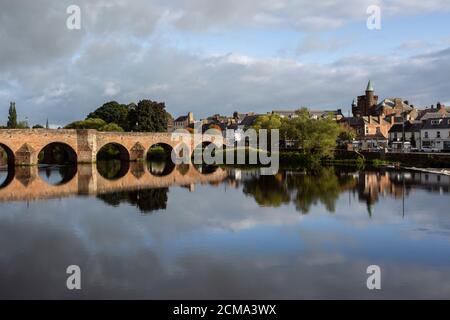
pixel 23 146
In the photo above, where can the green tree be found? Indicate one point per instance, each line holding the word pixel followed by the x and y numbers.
pixel 22 125
pixel 324 136
pixel 268 122
pixel 87 124
pixel 46 124
pixel 12 116
pixel 313 136
pixel 148 116
pixel 112 112
pixel 37 126
pixel 97 124
pixel 347 133
pixel 114 127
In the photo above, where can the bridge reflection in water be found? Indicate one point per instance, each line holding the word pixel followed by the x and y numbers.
pixel 146 184
pixel 35 183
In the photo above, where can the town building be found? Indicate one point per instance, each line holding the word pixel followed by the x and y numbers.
pixel 315 114
pixel 336 115
pixel 182 122
pixel 441 111
pixel 372 120
pixel 289 114
pixel 366 104
pixel 435 135
pixel 405 136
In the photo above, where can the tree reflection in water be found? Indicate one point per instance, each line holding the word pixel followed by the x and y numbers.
pixel 146 201
pixel 304 189
pixel 113 169
pixel 268 191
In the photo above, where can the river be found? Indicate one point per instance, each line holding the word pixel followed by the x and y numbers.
pixel 152 231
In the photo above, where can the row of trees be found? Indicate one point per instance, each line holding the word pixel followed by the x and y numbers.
pixel 146 116
pixel 311 136
pixel 13 123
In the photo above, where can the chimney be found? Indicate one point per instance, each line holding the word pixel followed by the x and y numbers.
pixel 370 119
pixel 190 118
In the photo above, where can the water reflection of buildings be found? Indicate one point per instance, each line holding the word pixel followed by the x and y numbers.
pixel 307 188
pixel 373 185
pixel 398 184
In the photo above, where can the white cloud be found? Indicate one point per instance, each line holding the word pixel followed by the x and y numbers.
pixel 111 89
pixel 118 54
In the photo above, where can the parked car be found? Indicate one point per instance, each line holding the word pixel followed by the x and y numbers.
pixel 430 149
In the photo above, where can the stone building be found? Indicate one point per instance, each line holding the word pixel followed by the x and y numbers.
pixel 181 122
pixel 366 104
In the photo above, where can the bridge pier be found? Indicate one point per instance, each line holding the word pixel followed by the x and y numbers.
pixel 26 156
pixel 87 179
pixel 87 146
pixel 26 175
pixel 137 152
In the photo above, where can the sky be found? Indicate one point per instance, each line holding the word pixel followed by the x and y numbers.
pixel 210 56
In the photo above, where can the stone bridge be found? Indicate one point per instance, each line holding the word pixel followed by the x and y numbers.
pixel 23 146
pixel 25 184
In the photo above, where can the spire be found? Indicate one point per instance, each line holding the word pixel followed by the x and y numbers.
pixel 369 86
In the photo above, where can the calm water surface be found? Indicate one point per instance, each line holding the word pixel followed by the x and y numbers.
pixel 155 231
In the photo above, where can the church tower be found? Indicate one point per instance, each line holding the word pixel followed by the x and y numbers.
pixel 370 100
pixel 366 104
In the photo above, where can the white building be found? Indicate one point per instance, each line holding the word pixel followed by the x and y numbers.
pixel 435 135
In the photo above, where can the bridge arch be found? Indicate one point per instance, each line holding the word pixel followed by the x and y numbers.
pixel 159 151
pixel 57 153
pixel 160 163
pixel 7 152
pixel 113 150
pixel 210 147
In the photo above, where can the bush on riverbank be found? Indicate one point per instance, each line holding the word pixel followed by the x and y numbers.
pixel 158 153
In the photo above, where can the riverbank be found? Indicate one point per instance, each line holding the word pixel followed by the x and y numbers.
pixel 411 159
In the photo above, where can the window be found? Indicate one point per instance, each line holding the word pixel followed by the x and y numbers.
pixel 378 130
pixel 438 134
pixel 436 122
pixel 426 134
pixel 367 130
